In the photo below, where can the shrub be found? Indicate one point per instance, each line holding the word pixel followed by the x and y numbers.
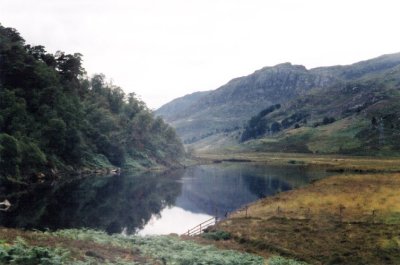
pixel 217 235
pixel 21 253
pixel 278 260
pixel 328 120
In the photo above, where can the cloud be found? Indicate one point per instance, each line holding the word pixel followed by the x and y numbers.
pixel 165 49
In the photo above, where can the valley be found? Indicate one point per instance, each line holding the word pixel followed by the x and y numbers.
pixel 341 119
pixel 297 166
pixel 328 110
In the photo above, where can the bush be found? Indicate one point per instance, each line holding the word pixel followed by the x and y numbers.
pixel 21 253
pixel 277 260
pixel 217 235
pixel 328 120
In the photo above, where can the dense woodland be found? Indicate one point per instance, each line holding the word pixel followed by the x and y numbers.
pixel 54 118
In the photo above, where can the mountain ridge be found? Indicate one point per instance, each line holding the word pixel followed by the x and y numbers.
pixel 229 108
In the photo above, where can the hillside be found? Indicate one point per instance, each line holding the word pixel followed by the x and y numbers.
pixel 337 109
pixel 356 117
pixel 177 106
pixel 229 107
pixel 53 118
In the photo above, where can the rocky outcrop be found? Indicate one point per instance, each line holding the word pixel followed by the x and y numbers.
pixel 229 107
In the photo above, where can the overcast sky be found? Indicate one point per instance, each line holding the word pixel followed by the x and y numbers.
pixel 163 49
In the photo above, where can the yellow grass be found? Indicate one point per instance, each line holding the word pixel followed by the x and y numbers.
pixel 334 162
pixel 357 195
pixel 348 219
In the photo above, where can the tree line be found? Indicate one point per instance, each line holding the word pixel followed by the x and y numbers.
pixel 54 117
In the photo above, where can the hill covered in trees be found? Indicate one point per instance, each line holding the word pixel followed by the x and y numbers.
pixel 54 118
pixel 351 109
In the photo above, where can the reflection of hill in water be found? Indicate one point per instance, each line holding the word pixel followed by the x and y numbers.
pixel 222 188
pixel 128 202
pixel 106 203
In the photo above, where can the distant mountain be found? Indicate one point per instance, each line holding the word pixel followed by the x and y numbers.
pixel 200 115
pixel 177 106
pixel 337 93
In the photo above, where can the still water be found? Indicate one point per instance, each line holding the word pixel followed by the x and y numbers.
pixel 151 203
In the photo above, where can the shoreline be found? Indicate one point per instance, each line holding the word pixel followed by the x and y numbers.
pixel 340 219
pixel 333 163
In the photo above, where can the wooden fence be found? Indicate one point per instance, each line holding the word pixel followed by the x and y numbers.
pixel 198 229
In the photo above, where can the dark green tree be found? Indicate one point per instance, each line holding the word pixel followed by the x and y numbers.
pixel 275 127
pixel 10 156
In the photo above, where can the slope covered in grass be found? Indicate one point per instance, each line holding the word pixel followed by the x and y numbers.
pixel 93 247
pixel 357 117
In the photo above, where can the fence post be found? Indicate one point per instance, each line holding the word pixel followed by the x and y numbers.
pixel 341 209
pixel 308 213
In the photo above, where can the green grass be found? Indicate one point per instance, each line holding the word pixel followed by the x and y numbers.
pixel 217 235
pixel 277 260
pixel 334 138
pixel 21 253
pixel 166 249
pixel 90 247
pixel 337 137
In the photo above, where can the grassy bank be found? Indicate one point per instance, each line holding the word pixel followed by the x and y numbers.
pixel 346 219
pixel 93 247
pixel 338 163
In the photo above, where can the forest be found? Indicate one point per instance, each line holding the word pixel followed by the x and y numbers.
pixel 54 118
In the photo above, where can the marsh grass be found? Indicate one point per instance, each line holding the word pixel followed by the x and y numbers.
pixel 339 163
pixel 340 218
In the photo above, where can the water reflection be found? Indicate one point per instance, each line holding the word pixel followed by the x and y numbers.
pixel 173 220
pixel 214 190
pixel 151 203
pixel 112 204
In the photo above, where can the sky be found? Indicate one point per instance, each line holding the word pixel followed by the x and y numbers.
pixel 164 49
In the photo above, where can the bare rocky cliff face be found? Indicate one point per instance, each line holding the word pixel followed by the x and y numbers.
pixel 229 107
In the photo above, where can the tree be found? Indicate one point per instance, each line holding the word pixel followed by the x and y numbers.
pixel 52 114
pixel 54 135
pixel 275 127
pixel 374 122
pixel 10 156
pixel 328 120
pixel 32 157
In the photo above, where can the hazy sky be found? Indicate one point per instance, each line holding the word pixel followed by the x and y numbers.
pixel 163 49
